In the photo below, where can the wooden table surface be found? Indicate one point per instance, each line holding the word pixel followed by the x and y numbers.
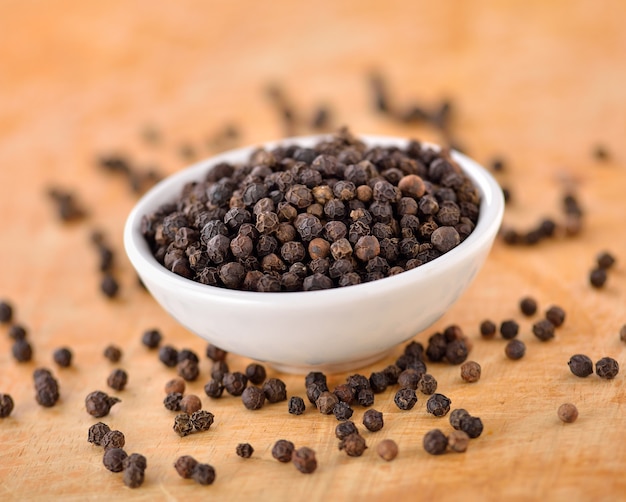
pixel 540 84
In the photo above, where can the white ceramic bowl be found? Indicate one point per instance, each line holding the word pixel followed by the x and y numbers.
pixel 330 330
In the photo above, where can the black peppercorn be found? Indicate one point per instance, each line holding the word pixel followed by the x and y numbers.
pixel 304 460
pixel 275 390
pixel 365 397
pixel 427 384
pixel 378 382
pixel 63 357
pixel 214 389
pixel 6 405
pixel 118 379
pixel 201 420
pixel 203 474
pixel 22 350
pixel 456 351
pixel 46 388
pixel 605 260
pixel 456 416
pixel 17 332
pixel 113 459
pixel 253 398
pixel 544 330
pixel 172 401
pixel 109 285
pixel 98 403
pixel 598 277
pixel 487 329
pixel 556 315
pixel 373 420
pixel 97 432
pixel 472 426
pixel 607 368
pixel 133 475
pixel 509 329
pixel 168 355
pixel 580 365
pixel 244 450
pixel 283 450
pixel 182 424
pixel 215 353
pixel 113 353
pixel 190 403
pixel 515 349
pixel 528 306
pixel 405 399
pixel 296 405
pixel 458 441
pixel 435 442
pixel 113 439
pixel 353 444
pixel 185 465
pixel 326 402
pixel 256 373
pixel 188 369
pixel 470 371
pixel 6 312
pixel 151 338
pixel 438 405
pixel 235 383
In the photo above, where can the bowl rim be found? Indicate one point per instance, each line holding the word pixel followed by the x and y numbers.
pixel 137 249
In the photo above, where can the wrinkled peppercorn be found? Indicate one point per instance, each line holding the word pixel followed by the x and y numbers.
pixel 353 444
pixel 113 459
pixel 283 450
pixel 456 351
pixel 580 365
pixel 113 439
pixel 427 384
pixel 342 411
pixel 544 330
pixel 509 329
pixel 62 357
pixel 515 349
pixel 190 403
pixel 201 420
pixel 235 383
pixel 151 338
pixel 185 465
pixel 365 397
pixel 253 398
pixel 275 390
pixel 182 424
pixel 435 442
pixel 405 399
pixel 567 413
pixel 528 306
pixel 244 450
pixel 438 405
pixel 113 353
pixel 118 379
pixel 373 420
pixel 98 403
pixel 470 371
pixel 6 405
pixel 607 368
pixel 96 433
pixel 172 401
pixel 344 429
pixel 326 402
pixel 296 405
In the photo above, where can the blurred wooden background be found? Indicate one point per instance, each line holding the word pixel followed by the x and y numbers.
pixel 540 84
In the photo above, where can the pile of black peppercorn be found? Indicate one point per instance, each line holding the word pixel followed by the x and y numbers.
pixel 296 218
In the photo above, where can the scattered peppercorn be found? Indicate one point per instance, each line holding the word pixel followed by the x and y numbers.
pixel 98 403
pixel 435 442
pixel 22 350
pixel 304 460
pixel 253 398
pixel 175 385
pixel 283 450
pixel 235 383
pixel 515 349
pixel 365 397
pixel 188 369
pixel 275 390
pixel 509 329
pixel 168 355
pixel 598 277
pixel 353 444
pixel 97 432
pixel 487 329
pixel 427 384
pixel 296 405
pixel 182 424
pixel 185 465
pixel 201 420
pixel 342 411
pixel 405 399
pixel 580 365
pixel 326 402
pixel 472 426
pixel 17 332
pixel 113 459
pixel 6 312
pixel 203 474
pixel 387 449
pixel 190 403
pixel 438 405
pixel 458 441
pixel 113 353
pixel 556 315
pixel 109 285
pixel 607 368
pixel 214 389
pixel 344 429
pixel 118 379
pixel 544 330
pixel 151 338
pixel 373 420
pixel 46 388
pixel 605 260
pixel 6 405
pixel 256 373
pixel 409 379
pixel 528 306
pixel 567 413
pixel 456 416
pixel 113 439
pixel 62 357
pixel 244 450
pixel 172 401
pixel 470 371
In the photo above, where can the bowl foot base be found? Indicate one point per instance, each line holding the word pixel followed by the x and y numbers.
pixel 332 367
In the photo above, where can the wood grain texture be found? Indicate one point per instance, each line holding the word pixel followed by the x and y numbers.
pixel 540 83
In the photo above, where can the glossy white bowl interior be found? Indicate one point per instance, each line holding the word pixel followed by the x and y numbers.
pixel 330 330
